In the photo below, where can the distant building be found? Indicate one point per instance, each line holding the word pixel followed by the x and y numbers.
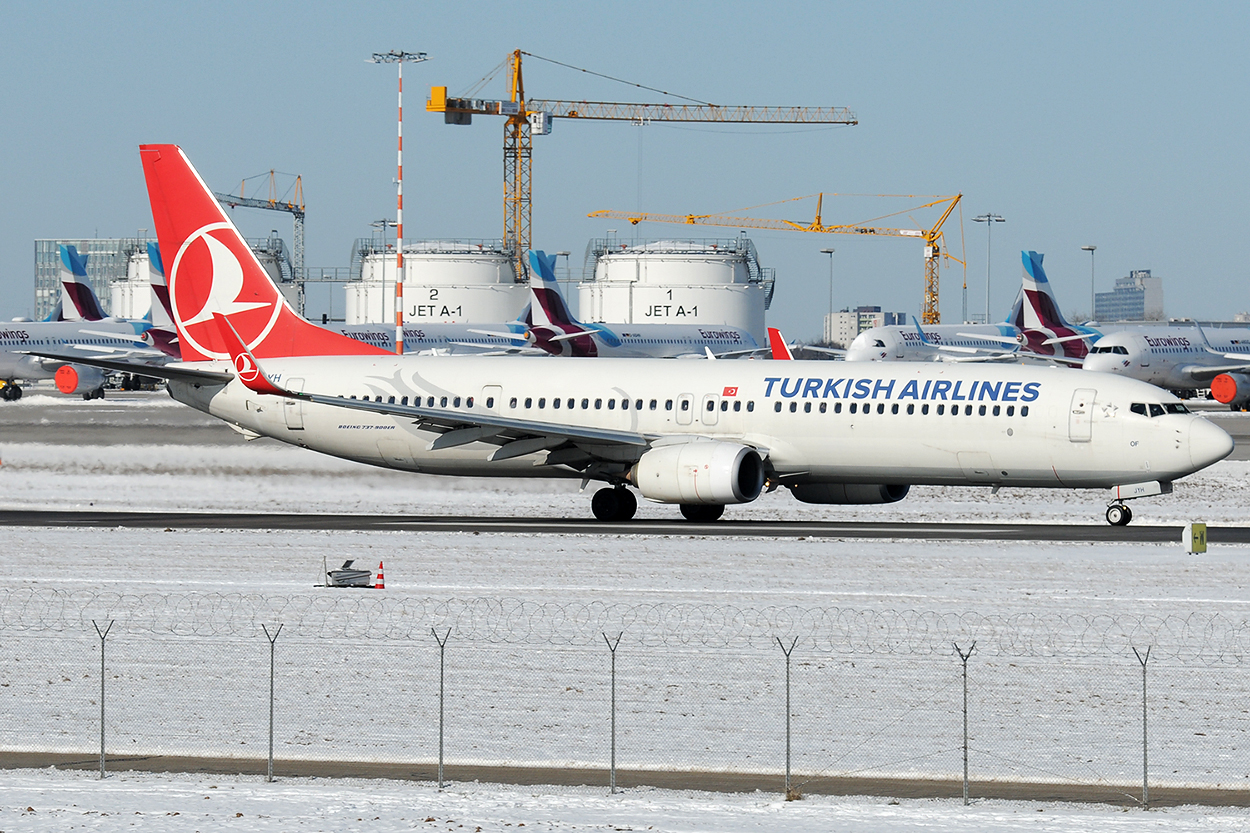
pixel 1138 297
pixel 842 327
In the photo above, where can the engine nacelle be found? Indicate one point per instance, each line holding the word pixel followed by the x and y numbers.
pixel 76 378
pixel 1231 388
pixel 849 493
pixel 700 472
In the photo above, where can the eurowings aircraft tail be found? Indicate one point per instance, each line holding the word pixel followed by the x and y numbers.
pixel 163 332
pixel 1037 314
pixel 549 302
pixel 213 272
pixel 78 301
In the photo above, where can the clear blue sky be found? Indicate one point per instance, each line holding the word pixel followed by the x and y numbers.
pixel 1118 124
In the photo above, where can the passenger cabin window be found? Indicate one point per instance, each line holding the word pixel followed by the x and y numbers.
pixel 512 402
pixel 668 404
pixel 542 402
pixel 598 404
pixel 529 402
pixel 455 403
pixel 777 407
pixel 685 404
pixel 738 406
pixel 442 403
pixel 572 402
pixel 585 404
pixel 711 406
pixel 555 403
pixel 638 405
pixel 490 402
pixel 750 406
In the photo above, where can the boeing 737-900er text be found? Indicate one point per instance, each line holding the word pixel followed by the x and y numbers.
pixel 698 434
pixel 1035 329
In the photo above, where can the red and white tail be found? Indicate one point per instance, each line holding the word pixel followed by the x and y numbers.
pixel 211 271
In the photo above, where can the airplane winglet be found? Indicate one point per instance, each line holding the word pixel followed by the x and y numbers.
pixel 245 363
pixel 777 342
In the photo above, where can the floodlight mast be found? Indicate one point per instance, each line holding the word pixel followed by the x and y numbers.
pixel 399 58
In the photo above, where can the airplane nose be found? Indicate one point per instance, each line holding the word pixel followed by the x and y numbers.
pixel 1208 443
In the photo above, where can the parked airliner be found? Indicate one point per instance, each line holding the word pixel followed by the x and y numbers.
pixel 698 434
pixel 1035 329
pixel 1180 360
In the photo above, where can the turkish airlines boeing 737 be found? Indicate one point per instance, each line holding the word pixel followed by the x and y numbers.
pixel 697 434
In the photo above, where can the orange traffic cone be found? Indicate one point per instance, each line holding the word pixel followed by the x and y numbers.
pixel 381 585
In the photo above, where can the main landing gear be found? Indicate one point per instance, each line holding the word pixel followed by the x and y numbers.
pixel 614 504
pixel 702 512
pixel 10 392
pixel 1118 514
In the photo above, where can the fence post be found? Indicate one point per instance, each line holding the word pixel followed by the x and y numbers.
pixel 273 639
pixel 442 665
pixel 1145 781
pixel 963 658
pixel 787 651
pixel 612 768
pixel 102 634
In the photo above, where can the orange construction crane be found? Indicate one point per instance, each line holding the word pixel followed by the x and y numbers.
pixel 529 117
pixel 934 241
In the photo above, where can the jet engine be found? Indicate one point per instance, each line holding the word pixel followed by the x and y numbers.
pixel 73 378
pixel 1231 389
pixel 849 493
pixel 700 472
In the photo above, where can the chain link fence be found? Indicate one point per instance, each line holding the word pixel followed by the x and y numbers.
pixel 694 688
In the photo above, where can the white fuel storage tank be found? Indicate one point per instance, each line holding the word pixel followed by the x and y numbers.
pixel 445 282
pixel 712 282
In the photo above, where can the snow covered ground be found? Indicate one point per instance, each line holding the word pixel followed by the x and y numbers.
pixel 1051 698
pixel 48 800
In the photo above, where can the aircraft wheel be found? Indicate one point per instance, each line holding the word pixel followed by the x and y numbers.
pixel 701 512
pixel 6 393
pixel 628 504
pixel 606 504
pixel 1119 515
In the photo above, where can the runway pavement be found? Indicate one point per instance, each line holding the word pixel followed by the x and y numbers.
pixel 582 526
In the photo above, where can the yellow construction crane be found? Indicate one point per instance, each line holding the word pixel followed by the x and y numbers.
pixel 934 241
pixel 529 117
pixel 293 206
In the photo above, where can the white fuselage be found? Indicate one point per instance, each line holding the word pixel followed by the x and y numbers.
pixel 1168 356
pixel 89 338
pixel 939 342
pixel 815 422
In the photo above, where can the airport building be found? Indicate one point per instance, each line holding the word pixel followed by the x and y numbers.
pixel 1137 297
pixel 842 327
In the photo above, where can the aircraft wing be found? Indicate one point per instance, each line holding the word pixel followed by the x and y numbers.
pixel 1200 373
pixel 156 371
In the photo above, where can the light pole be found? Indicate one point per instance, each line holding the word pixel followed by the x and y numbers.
pixel 989 220
pixel 829 325
pixel 1090 249
pixel 399 58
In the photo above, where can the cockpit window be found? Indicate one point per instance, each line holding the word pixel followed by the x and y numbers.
pixel 1176 408
pixel 1138 408
pixel 1156 410
pixel 876 342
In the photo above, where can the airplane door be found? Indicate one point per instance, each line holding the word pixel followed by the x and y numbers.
pixel 1080 414
pixel 709 410
pixel 685 409
pixel 293 409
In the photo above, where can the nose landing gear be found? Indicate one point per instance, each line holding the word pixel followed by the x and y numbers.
pixel 1118 514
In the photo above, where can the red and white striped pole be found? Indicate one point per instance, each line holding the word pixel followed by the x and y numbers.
pixel 399 224
pixel 400 58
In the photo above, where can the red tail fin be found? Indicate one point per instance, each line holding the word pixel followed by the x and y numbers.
pixel 211 270
pixel 778 344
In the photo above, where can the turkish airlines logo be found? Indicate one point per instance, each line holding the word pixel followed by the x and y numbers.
pixel 733 391
pixel 248 371
pixel 207 277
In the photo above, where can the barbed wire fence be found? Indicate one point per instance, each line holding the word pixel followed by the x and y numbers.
pixel 873 694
